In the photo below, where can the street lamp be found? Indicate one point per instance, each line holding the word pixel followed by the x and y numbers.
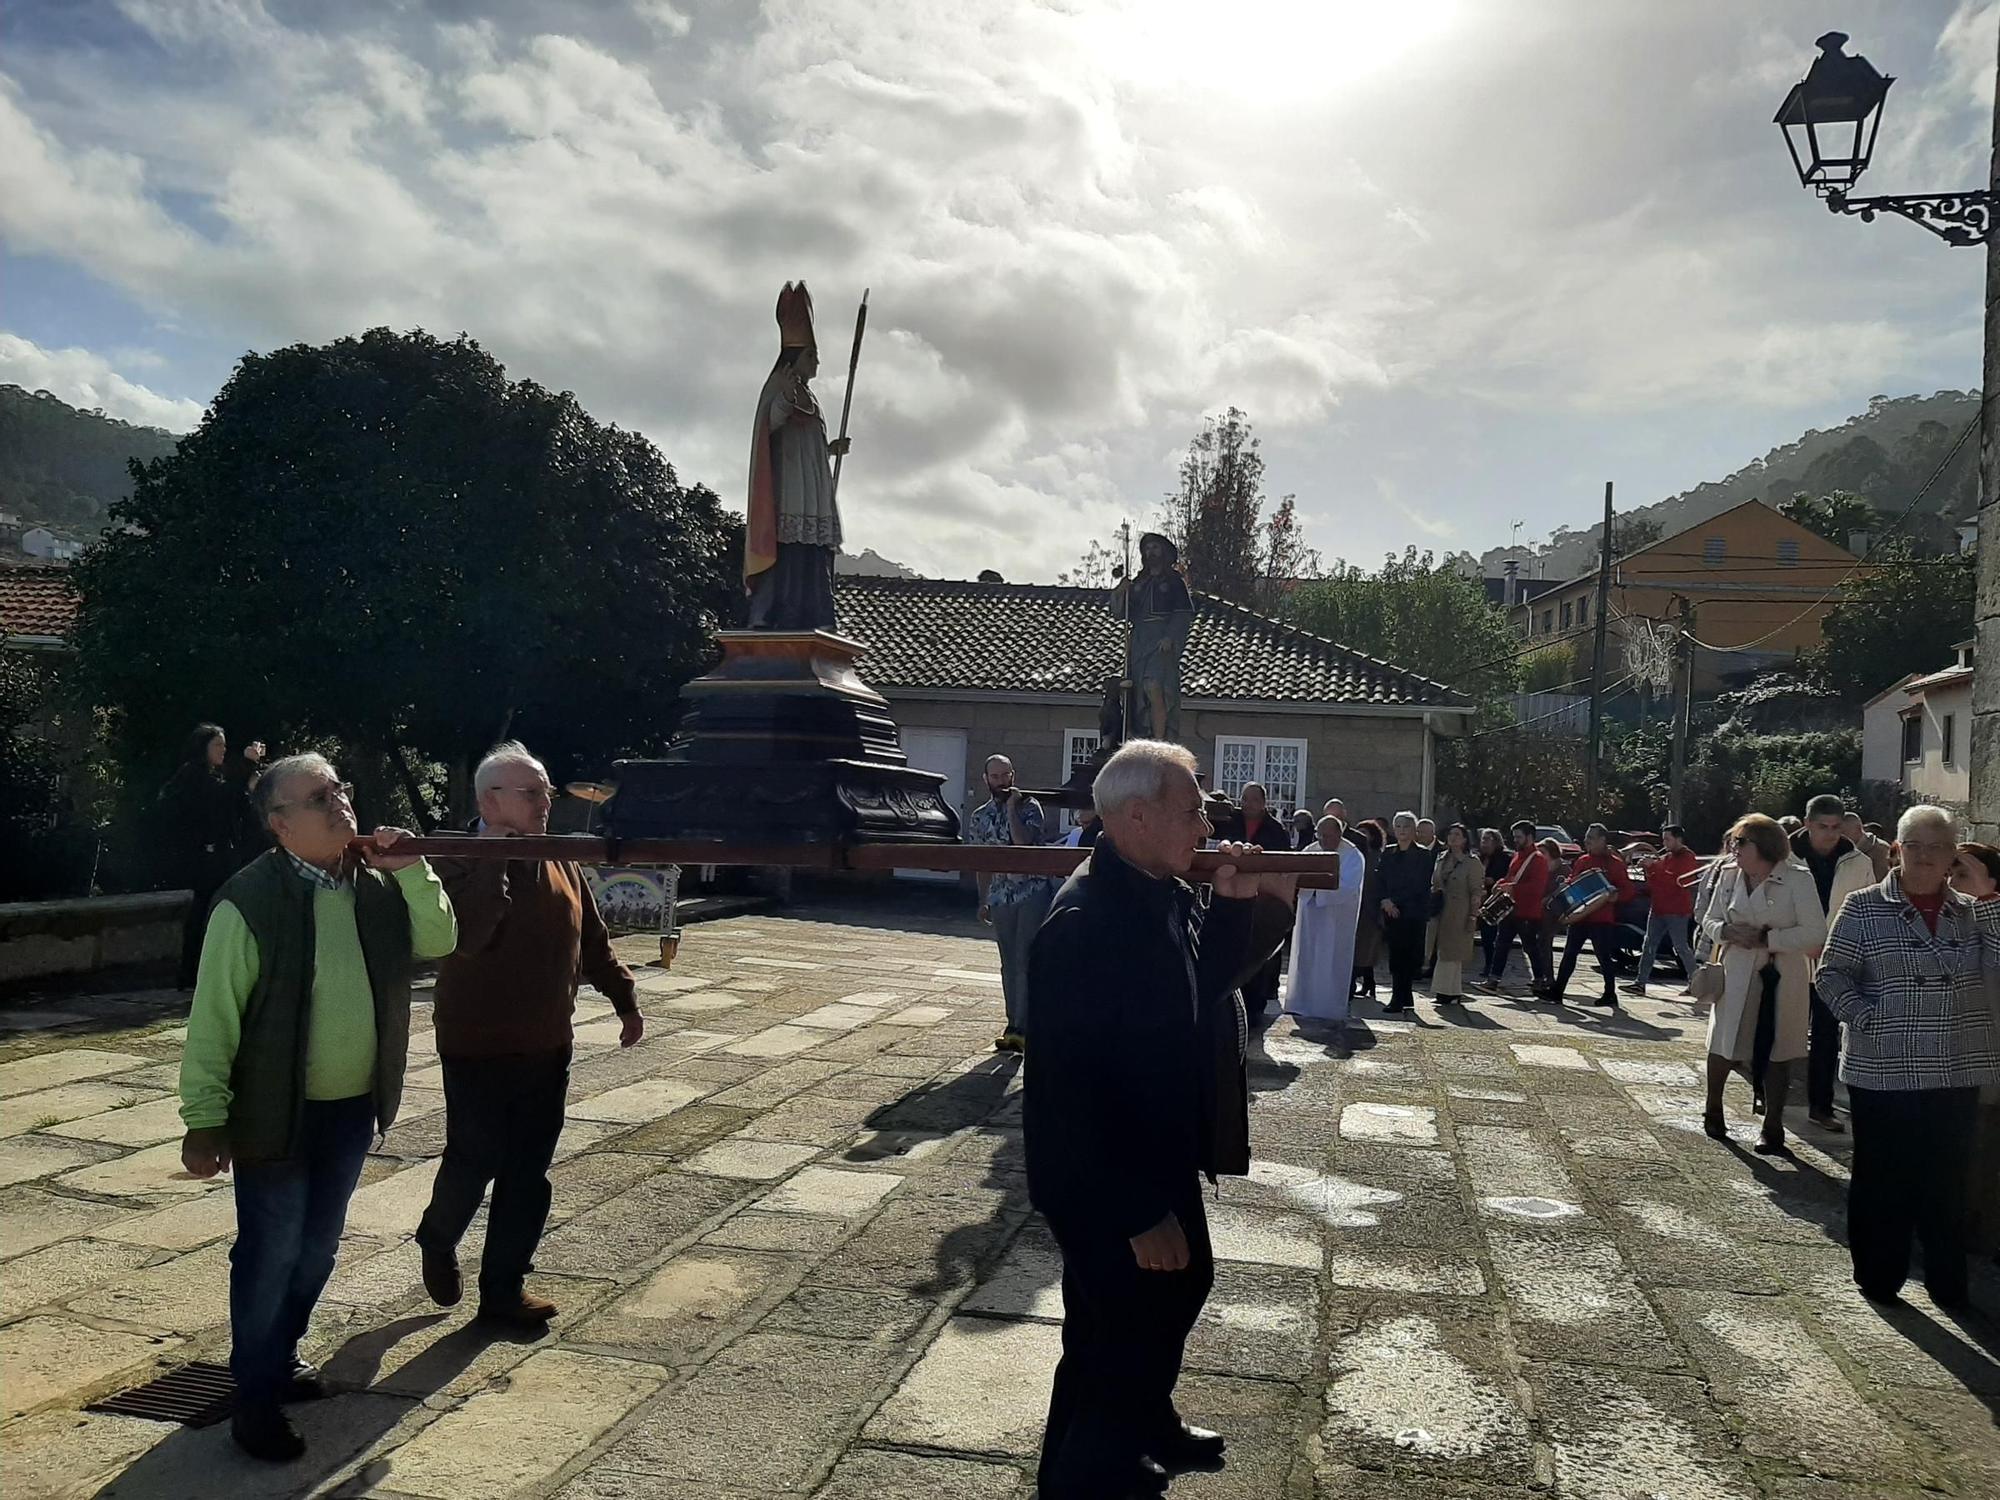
pixel 1830 119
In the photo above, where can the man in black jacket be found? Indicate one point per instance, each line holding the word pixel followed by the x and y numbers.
pixel 1405 874
pixel 1135 1088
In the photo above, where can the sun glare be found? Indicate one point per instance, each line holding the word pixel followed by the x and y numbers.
pixel 1264 51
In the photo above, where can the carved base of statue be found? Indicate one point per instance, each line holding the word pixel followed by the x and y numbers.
pixel 783 743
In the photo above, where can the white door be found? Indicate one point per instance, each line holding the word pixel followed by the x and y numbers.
pixel 941 751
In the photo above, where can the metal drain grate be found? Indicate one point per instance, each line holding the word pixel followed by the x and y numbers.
pixel 196 1395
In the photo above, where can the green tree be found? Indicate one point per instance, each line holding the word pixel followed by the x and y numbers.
pixel 385 541
pixel 1834 517
pixel 1213 517
pixel 1630 533
pixel 1901 614
pixel 1422 615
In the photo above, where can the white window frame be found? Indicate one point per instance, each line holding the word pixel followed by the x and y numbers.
pixel 1948 739
pixel 1913 718
pixel 1086 740
pixel 1264 744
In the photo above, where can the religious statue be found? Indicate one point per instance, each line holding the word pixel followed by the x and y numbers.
pixel 794 526
pixel 1160 612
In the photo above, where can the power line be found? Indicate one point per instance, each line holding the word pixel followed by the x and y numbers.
pixel 1568 708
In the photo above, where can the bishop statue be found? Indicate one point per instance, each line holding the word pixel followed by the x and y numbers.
pixel 794 526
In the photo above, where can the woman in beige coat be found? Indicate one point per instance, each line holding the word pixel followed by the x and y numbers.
pixel 1461 879
pixel 1765 914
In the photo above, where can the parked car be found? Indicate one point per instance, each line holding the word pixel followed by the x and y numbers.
pixel 1569 846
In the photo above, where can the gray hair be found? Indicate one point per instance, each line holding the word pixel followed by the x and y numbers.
pixel 1403 817
pixel 1339 829
pixel 1138 773
pixel 278 772
pixel 506 753
pixel 1924 814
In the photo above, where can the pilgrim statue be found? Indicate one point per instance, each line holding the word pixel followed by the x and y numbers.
pixel 794 527
pixel 1159 611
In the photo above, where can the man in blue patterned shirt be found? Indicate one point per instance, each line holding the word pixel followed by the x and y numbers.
pixel 1012 905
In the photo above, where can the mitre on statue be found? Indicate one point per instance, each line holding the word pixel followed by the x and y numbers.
pixel 795 317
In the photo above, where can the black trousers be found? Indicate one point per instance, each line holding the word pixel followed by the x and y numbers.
pixel 205 876
pixel 1404 937
pixel 1602 938
pixel 503 1116
pixel 1912 1165
pixel 1822 1058
pixel 1262 987
pixel 1124 1331
pixel 1529 930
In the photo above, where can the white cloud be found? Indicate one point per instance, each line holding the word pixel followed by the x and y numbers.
pixel 87 380
pixel 1086 226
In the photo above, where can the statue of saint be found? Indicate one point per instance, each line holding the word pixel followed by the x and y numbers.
pixel 794 528
pixel 1160 612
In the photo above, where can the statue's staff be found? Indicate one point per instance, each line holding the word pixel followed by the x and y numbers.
pixel 847 399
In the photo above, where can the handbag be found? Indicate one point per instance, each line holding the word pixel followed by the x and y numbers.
pixel 1705 984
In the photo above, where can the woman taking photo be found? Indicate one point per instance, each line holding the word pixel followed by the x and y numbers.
pixel 1765 914
pixel 1460 879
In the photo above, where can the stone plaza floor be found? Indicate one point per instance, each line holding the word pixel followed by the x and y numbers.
pixel 1487 1255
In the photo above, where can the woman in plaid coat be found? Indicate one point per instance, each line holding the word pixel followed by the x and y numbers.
pixel 1905 969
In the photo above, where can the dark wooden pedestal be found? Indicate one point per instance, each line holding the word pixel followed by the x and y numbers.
pixel 783 743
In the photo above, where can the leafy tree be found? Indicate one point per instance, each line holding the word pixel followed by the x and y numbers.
pixel 1552 669
pixel 1093 570
pixel 1630 533
pixel 1284 554
pixel 1420 614
pixel 1901 614
pixel 1213 517
pixel 385 541
pixel 1834 517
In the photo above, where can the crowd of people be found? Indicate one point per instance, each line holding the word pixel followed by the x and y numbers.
pixel 1815 939
pixel 1873 961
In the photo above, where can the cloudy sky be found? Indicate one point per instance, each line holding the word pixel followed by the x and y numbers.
pixel 1460 260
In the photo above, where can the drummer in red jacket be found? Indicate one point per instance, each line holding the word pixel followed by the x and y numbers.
pixel 1594 921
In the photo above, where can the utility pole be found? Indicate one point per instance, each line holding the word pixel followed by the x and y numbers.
pixel 1683 708
pixel 1597 665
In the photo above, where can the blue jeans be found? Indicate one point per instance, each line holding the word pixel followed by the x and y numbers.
pixel 289 1215
pixel 1675 930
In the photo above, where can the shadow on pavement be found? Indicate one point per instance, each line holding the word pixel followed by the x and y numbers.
pixel 203 1460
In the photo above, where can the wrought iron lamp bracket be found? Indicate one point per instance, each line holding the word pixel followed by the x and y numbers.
pixel 1956 218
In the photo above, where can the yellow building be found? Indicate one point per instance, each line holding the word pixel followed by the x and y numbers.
pixel 1758 587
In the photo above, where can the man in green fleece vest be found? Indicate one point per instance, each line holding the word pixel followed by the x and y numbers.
pixel 294 1059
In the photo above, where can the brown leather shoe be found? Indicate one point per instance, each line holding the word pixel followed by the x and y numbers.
pixel 441 1277
pixel 526 1311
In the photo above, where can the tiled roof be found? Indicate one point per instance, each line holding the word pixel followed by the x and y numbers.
pixel 1048 638
pixel 36 601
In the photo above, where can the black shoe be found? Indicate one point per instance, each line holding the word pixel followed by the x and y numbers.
pixel 267 1433
pixel 442 1278
pixel 1189 1448
pixel 303 1384
pixel 1881 1296
pixel 1610 1002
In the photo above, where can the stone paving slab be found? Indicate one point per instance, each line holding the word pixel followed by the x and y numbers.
pixel 1483 1256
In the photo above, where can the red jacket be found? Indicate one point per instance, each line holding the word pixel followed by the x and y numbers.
pixel 1528 879
pixel 1672 897
pixel 1613 866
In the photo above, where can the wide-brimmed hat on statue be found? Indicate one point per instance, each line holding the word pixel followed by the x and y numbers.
pixel 795 317
pixel 1173 552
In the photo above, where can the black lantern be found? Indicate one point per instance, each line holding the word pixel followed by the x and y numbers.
pixel 1830 119
pixel 1833 115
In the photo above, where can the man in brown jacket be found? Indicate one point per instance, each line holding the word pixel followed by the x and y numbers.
pixel 529 931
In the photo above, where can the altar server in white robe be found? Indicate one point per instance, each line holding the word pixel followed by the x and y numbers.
pixel 1323 934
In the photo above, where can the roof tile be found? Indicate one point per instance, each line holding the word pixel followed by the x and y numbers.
pixel 949 635
pixel 36 601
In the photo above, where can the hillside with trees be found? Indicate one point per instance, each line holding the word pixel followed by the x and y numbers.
pixel 1883 456
pixel 65 468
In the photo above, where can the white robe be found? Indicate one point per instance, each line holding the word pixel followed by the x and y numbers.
pixel 1323 942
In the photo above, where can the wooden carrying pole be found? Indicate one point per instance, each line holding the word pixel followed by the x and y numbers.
pixel 1319 872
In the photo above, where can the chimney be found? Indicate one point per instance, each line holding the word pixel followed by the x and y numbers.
pixel 1968 535
pixel 1510 592
pixel 1857 542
